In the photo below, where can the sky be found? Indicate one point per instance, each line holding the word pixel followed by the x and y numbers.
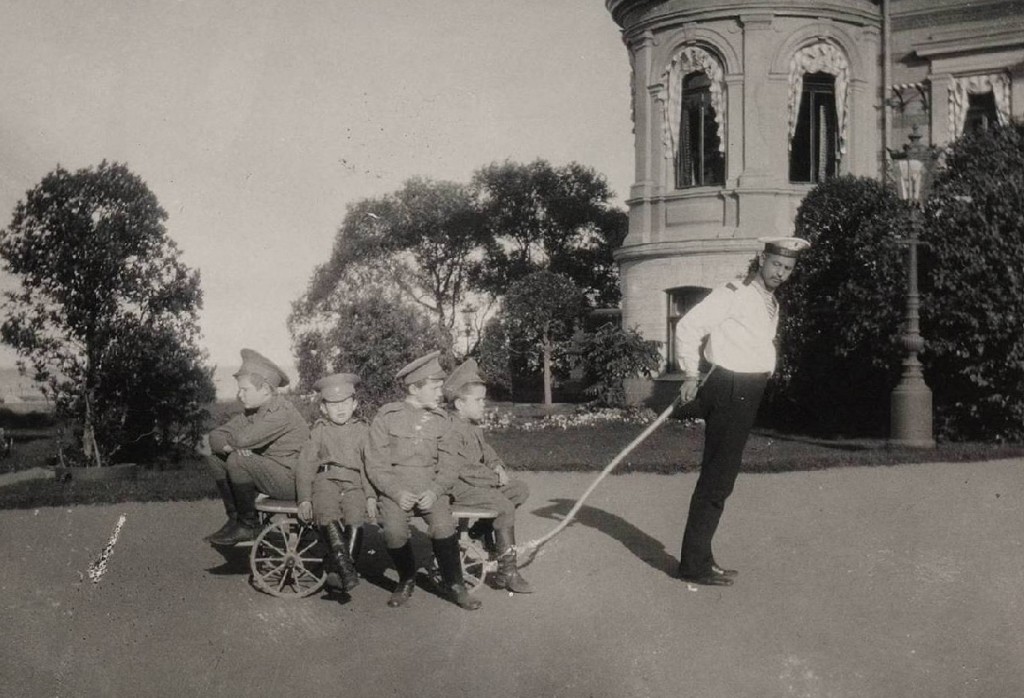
pixel 256 122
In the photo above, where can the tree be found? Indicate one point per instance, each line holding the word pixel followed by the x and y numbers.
pixel 842 308
pixel 418 242
pixel 372 336
pixel 540 311
pixel 540 217
pixel 105 310
pixel 973 313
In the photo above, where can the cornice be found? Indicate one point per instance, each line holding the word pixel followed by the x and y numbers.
pixel 639 15
pixel 685 248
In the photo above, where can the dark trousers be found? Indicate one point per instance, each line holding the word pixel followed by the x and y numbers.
pixel 728 404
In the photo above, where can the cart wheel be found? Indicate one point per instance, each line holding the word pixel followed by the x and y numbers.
pixel 287 560
pixel 475 564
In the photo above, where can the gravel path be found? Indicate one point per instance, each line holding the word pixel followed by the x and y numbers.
pixel 904 581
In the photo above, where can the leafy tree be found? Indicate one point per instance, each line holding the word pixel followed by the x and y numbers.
pixel 609 356
pixel 973 315
pixel 373 336
pixel 105 311
pixel 557 219
pixel 842 309
pixel 417 242
pixel 540 311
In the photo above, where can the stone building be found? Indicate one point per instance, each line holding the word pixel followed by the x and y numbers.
pixel 740 108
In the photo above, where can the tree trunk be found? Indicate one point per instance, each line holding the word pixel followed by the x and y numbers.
pixel 546 348
pixel 89 445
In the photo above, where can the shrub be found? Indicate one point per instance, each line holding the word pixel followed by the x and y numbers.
pixel 839 356
pixel 610 355
pixel 973 315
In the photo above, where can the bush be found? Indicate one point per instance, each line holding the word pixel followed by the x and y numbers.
pixel 842 308
pixel 973 315
pixel 610 355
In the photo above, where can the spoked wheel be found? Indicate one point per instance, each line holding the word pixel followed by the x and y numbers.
pixel 475 564
pixel 287 560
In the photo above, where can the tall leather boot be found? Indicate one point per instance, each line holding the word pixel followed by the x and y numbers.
pixel 333 581
pixel 507 576
pixel 405 563
pixel 246 524
pixel 338 542
pixel 446 550
pixel 228 497
pixel 354 541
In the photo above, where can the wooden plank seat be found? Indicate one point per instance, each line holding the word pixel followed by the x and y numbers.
pixel 267 505
pixel 477 513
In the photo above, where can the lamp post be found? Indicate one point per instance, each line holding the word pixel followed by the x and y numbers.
pixel 911 400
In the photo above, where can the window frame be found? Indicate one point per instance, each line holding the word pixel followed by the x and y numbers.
pixel 816 88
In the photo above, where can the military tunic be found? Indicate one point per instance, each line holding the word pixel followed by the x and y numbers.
pixel 464 450
pixel 402 456
pixel 340 491
pixel 275 433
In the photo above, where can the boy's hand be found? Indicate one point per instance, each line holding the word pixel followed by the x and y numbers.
pixel 244 452
pixel 407 500
pixel 305 512
pixel 502 476
pixel 427 499
pixel 371 508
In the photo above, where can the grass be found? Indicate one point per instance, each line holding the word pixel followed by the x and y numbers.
pixel 675 447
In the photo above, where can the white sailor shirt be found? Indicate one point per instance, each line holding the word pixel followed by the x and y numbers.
pixel 740 327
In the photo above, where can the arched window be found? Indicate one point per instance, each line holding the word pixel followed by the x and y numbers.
pixel 814 147
pixel 819 77
pixel 978 100
pixel 695 114
pixel 700 161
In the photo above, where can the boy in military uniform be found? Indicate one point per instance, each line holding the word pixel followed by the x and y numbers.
pixel 482 478
pixel 257 450
pixel 331 481
pixel 402 464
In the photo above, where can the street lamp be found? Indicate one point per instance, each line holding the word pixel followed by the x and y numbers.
pixel 911 401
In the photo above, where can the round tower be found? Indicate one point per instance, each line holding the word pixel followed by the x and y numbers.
pixel 739 108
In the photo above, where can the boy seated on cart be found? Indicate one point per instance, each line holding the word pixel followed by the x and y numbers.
pixel 331 480
pixel 256 451
pixel 402 464
pixel 483 480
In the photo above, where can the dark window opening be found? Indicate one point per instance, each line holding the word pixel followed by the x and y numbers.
pixel 680 301
pixel 814 155
pixel 699 162
pixel 981 112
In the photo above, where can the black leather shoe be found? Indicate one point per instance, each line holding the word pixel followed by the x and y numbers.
pixel 709 579
pixel 402 592
pixel 460 595
pixel 239 533
pixel 724 572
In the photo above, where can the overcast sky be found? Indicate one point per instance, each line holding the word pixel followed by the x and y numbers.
pixel 256 122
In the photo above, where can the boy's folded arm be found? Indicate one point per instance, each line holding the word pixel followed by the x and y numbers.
pixel 261 433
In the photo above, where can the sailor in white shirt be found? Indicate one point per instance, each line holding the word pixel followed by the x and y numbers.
pixel 739 320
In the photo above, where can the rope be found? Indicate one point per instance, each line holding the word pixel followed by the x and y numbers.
pixel 529 549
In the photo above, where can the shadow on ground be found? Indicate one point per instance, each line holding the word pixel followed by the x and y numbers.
pixel 639 543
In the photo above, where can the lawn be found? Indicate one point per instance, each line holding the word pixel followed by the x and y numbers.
pixel 674 447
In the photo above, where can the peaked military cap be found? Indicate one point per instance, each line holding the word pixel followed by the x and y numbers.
pixel 423 367
pixel 337 387
pixel 254 363
pixel 467 372
pixel 784 246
